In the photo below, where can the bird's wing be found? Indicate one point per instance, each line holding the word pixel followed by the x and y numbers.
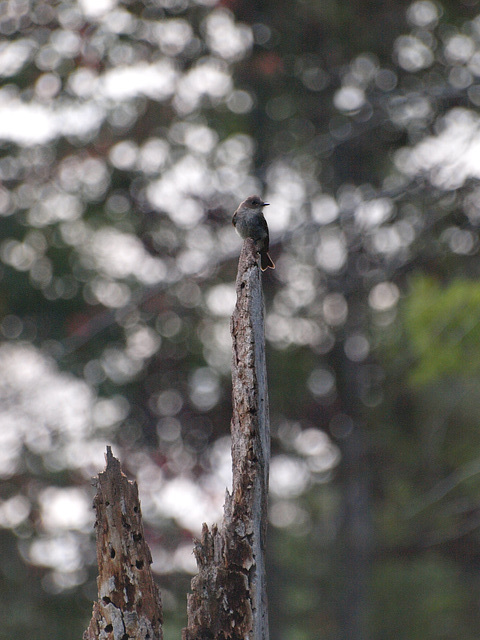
pixel 265 228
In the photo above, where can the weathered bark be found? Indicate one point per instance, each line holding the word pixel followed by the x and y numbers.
pixel 228 599
pixel 128 605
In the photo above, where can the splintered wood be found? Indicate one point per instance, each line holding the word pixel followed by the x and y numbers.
pixel 128 605
pixel 228 599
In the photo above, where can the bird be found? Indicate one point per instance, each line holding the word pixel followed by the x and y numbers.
pixel 249 222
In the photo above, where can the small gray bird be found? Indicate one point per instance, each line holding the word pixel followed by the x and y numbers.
pixel 249 222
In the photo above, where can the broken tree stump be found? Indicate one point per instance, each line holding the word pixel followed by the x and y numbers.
pixel 228 599
pixel 128 605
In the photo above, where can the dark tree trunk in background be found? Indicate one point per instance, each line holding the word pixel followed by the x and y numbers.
pixel 356 539
pixel 356 527
pixel 228 597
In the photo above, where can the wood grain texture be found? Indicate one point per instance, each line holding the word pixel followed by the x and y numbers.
pixel 128 605
pixel 228 599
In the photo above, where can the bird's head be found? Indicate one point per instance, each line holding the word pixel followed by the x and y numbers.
pixel 254 202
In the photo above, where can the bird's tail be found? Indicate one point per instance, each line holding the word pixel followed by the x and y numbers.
pixel 266 262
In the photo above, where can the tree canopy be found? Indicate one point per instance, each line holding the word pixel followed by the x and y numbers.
pixel 129 133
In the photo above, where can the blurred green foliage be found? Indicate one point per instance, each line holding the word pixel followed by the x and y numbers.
pixel 443 328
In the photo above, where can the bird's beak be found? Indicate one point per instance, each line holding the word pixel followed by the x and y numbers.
pixel 265 204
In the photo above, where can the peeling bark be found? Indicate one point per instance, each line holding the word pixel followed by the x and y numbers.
pixel 228 599
pixel 128 605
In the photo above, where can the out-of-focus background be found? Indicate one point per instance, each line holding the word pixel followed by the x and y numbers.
pixel 129 133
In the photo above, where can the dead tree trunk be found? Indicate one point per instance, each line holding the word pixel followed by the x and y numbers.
pixel 228 599
pixel 128 605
